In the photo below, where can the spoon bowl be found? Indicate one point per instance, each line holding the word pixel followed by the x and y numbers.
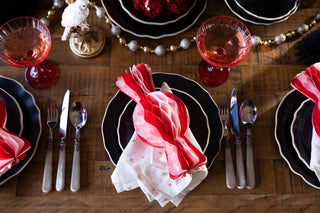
pixel 78 115
pixel 248 115
pixel 78 118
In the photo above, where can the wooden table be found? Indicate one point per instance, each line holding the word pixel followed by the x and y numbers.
pixel 264 76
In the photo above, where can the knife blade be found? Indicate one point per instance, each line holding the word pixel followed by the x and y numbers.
pixel 241 182
pixel 60 181
pixel 234 113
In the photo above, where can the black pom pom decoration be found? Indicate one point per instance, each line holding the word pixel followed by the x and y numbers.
pixel 309 48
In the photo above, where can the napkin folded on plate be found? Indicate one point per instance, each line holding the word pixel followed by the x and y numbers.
pixel 12 147
pixel 308 83
pixel 163 157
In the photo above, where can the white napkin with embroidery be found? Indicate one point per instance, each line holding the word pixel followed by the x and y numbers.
pixel 145 166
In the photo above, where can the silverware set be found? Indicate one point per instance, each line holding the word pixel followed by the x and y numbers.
pixel 248 115
pixel 78 118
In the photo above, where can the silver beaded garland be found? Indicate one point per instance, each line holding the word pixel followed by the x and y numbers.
pixel 255 40
pixel 133 45
pixel 160 50
pixel 173 48
pixel 115 30
pixel 302 29
pixel 100 12
pixel 146 49
pixel 185 43
pixel 122 41
pixel 279 38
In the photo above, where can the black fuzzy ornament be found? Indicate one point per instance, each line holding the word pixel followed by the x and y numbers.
pixel 309 48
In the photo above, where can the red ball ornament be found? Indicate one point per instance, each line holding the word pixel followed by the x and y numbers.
pixel 153 8
pixel 177 6
pixel 138 5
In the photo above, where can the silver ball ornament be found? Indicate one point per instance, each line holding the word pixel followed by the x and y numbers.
pixel 302 29
pixel 133 45
pixel 185 43
pixel 100 12
pixel 279 38
pixel 58 3
pixel 160 50
pixel 255 40
pixel 115 30
pixel 45 21
pixel 317 17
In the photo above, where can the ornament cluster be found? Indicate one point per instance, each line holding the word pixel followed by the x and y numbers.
pixel 154 8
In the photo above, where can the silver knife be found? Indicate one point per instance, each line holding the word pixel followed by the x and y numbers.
pixel 241 181
pixel 60 181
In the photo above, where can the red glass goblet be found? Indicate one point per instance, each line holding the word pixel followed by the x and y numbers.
pixel 222 42
pixel 25 42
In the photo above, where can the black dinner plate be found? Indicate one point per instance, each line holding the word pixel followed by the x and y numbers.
pixel 201 107
pixel 246 17
pixel 301 131
pixel 31 122
pixel 14 122
pixel 162 19
pixel 271 9
pixel 283 119
pixel 126 23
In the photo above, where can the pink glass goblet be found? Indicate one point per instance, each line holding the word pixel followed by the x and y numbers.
pixel 222 42
pixel 25 42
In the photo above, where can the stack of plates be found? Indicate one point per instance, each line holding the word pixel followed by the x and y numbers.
pixel 263 12
pixel 293 132
pixel 122 13
pixel 23 118
pixel 117 125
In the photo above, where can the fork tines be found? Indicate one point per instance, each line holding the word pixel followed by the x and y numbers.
pixel 51 108
pixel 224 111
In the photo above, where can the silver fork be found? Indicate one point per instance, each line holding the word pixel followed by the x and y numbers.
pixel 52 121
pixel 224 115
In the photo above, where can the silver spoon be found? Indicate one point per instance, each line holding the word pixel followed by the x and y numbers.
pixel 248 115
pixel 78 118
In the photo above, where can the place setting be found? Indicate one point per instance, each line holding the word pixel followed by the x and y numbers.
pixel 140 123
pixel 196 128
pixel 295 124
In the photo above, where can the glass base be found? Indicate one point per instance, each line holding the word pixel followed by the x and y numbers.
pixel 43 75
pixel 211 75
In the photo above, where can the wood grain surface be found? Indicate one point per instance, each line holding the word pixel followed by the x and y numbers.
pixel 264 76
